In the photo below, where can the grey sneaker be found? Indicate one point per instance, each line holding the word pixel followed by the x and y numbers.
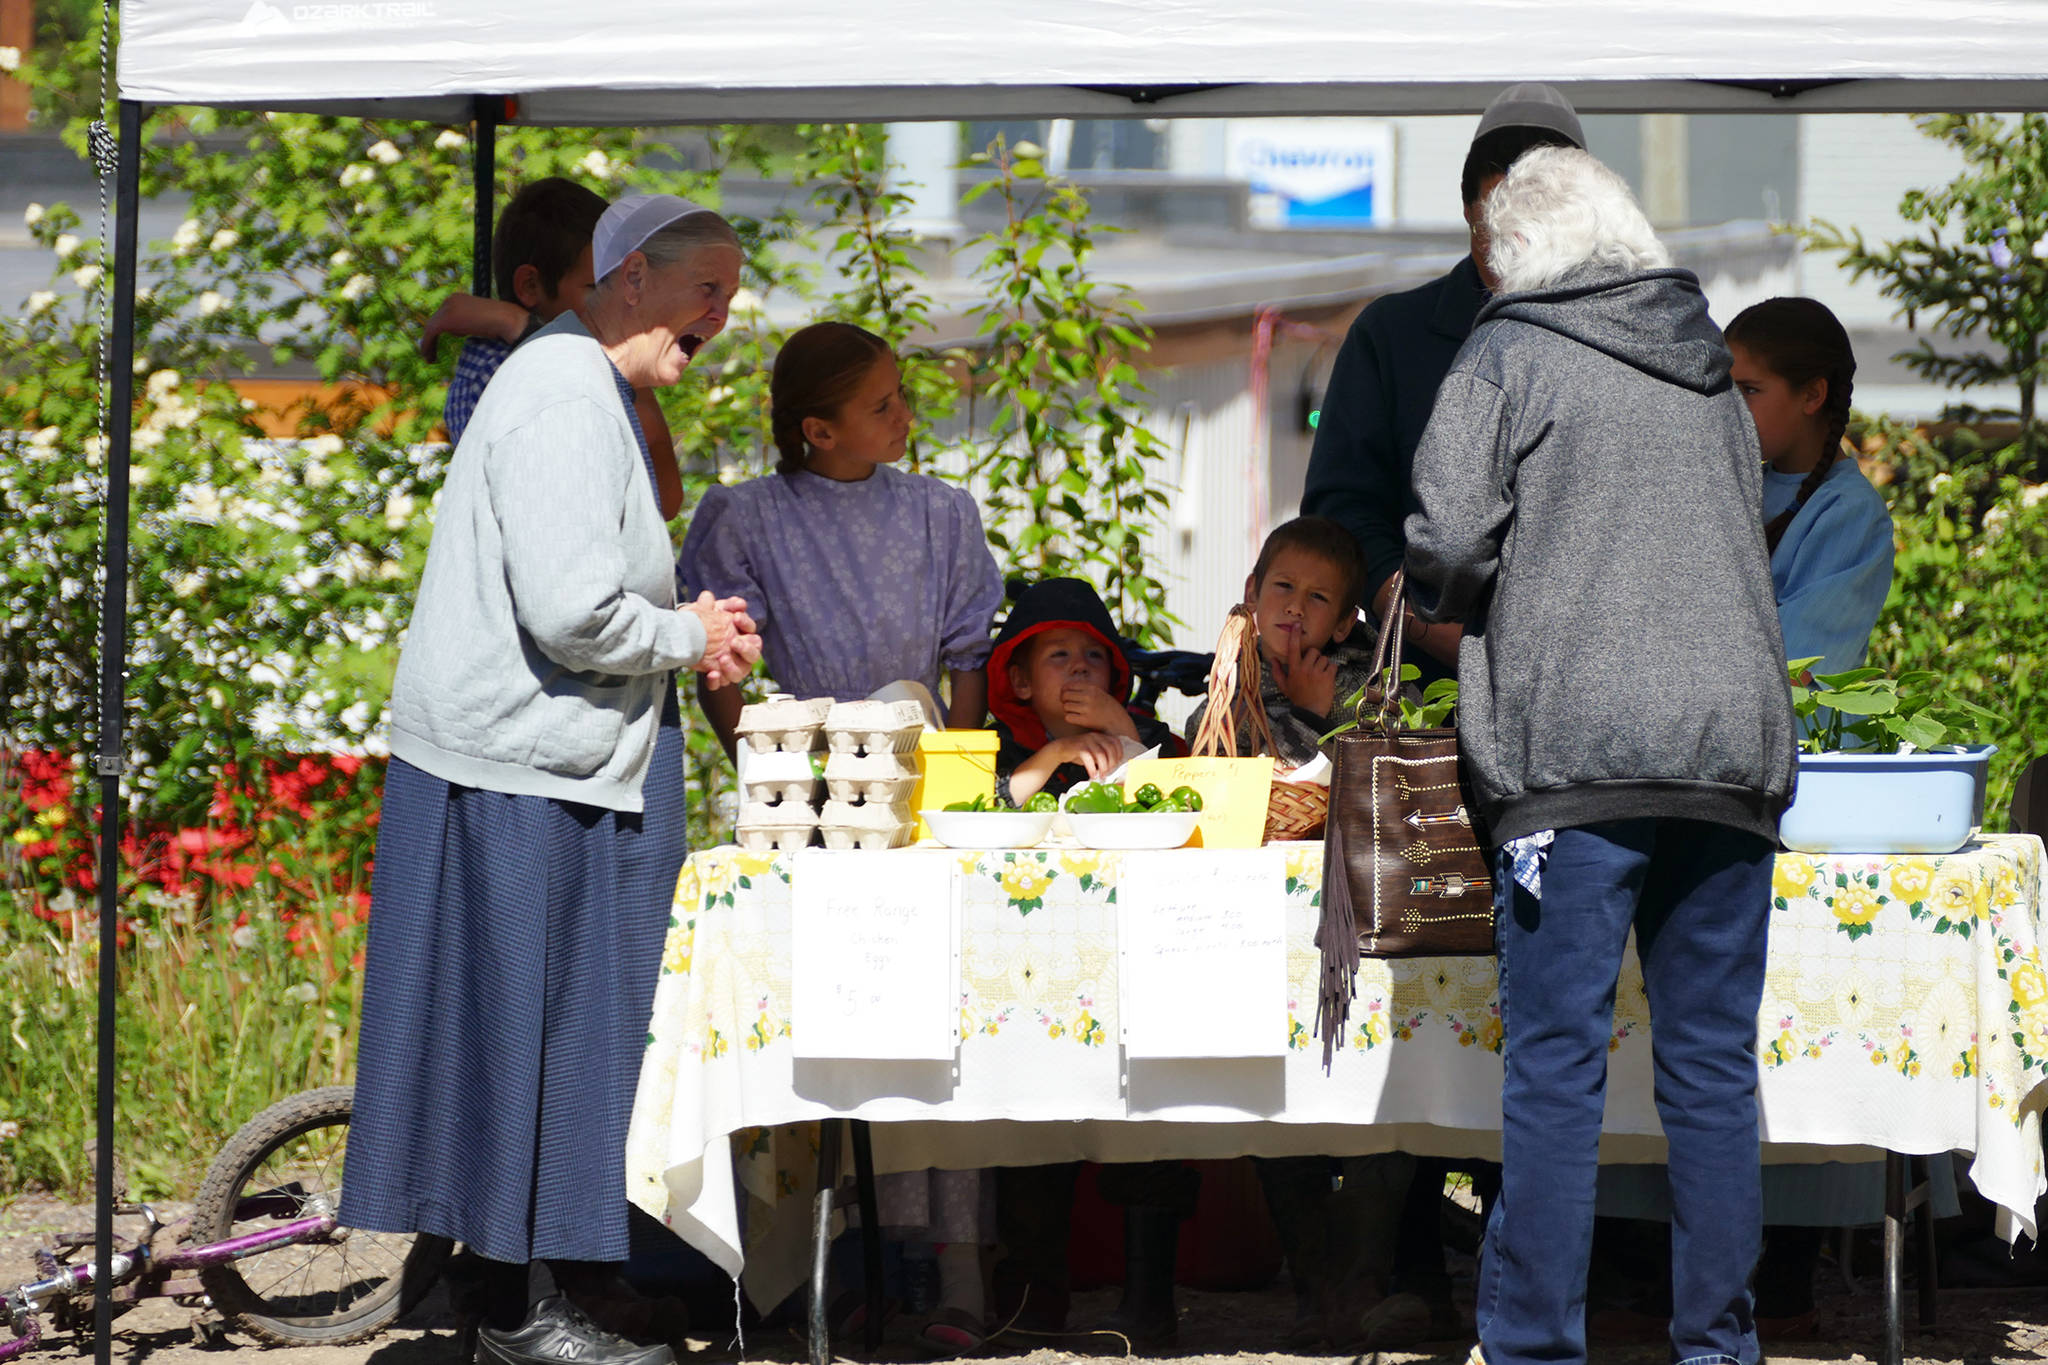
pixel 557 1333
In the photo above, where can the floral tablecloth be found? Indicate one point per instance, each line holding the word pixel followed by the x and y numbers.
pixel 1905 1009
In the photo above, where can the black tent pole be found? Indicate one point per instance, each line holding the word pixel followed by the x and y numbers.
pixel 108 761
pixel 484 167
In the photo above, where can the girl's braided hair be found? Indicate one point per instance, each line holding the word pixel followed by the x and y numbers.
pixel 816 372
pixel 1800 340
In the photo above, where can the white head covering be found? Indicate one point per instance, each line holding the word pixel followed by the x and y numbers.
pixel 630 222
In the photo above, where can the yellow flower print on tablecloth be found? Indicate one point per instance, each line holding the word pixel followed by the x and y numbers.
pixel 1373 1029
pixel 1783 1048
pixel 748 866
pixel 1024 881
pixel 1084 1028
pixel 766 1028
pixel 1305 874
pixel 1910 881
pixel 1084 868
pixel 1965 1065
pixel 2029 985
pixel 1957 901
pixel 1855 902
pixel 1792 878
pixel 1905 1057
pixel 676 948
pixel 2029 1011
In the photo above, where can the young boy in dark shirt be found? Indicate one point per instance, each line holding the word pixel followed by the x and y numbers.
pixel 1304 591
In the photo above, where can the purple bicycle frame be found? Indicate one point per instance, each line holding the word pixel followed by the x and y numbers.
pixel 75 1280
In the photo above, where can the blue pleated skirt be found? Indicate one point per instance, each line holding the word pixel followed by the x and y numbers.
pixel 514 946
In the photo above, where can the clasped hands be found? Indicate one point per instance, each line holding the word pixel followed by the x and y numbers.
pixel 731 648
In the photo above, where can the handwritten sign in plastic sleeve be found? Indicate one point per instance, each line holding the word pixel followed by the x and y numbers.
pixel 874 956
pixel 1202 953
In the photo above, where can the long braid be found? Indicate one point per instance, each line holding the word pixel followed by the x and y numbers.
pixel 1838 428
pixel 1800 340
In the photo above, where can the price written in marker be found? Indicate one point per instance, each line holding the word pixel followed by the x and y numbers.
pixel 874 961
pixel 1202 955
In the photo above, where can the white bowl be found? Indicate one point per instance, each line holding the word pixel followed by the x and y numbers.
pixel 988 828
pixel 1156 829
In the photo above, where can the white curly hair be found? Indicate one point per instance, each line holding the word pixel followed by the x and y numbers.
pixel 1559 208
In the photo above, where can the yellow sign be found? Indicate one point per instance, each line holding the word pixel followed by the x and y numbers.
pixel 1234 794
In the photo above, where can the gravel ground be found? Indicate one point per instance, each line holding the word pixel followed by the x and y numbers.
pixel 1976 1325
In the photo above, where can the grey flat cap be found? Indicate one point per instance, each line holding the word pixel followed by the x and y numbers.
pixel 1530 105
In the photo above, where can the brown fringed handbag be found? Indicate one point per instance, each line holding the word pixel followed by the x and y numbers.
pixel 1237 716
pixel 1405 870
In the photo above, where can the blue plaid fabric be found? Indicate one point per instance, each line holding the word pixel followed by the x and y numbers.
pixel 1528 854
pixel 479 360
pixel 514 946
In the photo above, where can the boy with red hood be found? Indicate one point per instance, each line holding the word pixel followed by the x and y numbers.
pixel 1058 684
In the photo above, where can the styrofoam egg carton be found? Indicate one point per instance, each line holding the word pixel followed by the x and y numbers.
pixel 783 826
pixel 779 776
pixel 886 779
pixel 783 725
pixel 871 825
pixel 874 727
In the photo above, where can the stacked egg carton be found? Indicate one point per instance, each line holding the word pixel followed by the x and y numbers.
pixel 870 774
pixel 779 782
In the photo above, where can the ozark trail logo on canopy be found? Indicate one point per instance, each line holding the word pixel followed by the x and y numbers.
pixel 265 17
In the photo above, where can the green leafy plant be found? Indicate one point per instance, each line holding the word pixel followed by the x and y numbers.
pixel 1980 265
pixel 1434 708
pixel 1865 710
pixel 1071 477
pixel 880 284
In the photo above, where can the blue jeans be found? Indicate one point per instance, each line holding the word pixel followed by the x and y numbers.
pixel 1698 897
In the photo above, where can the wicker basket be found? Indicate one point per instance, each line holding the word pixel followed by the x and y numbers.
pixel 1294 810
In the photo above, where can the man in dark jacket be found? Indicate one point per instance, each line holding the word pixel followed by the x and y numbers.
pixel 1587 492
pixel 1385 378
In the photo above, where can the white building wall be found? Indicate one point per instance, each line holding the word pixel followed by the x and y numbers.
pixel 1853 170
pixel 1429 154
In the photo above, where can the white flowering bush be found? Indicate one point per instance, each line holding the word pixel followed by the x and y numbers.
pixel 271 577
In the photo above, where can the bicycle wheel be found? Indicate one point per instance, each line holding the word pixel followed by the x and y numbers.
pixel 345 1285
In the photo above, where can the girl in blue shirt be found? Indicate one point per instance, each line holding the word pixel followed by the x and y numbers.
pixel 1829 531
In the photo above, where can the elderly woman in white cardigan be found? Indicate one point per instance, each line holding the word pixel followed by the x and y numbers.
pixel 533 818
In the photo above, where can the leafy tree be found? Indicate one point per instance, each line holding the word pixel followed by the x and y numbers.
pixel 1070 477
pixel 270 578
pixel 1980 266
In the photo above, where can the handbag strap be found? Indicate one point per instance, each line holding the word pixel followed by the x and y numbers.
pixel 1386 654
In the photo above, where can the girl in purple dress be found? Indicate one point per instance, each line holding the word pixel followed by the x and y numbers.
pixel 858 575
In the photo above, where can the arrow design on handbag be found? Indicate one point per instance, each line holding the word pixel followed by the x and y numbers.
pixel 1451 817
pixel 1448 886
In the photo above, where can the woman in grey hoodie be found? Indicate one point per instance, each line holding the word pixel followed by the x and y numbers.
pixel 1588 487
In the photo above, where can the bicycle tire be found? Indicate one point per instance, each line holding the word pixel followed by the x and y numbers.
pixel 280 1311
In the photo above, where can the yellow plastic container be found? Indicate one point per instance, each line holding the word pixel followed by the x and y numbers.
pixel 953 765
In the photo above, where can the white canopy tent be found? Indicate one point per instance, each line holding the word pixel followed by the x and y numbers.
pixel 691 61
pixel 644 62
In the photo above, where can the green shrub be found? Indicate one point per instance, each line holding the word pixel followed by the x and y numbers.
pixel 1967 597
